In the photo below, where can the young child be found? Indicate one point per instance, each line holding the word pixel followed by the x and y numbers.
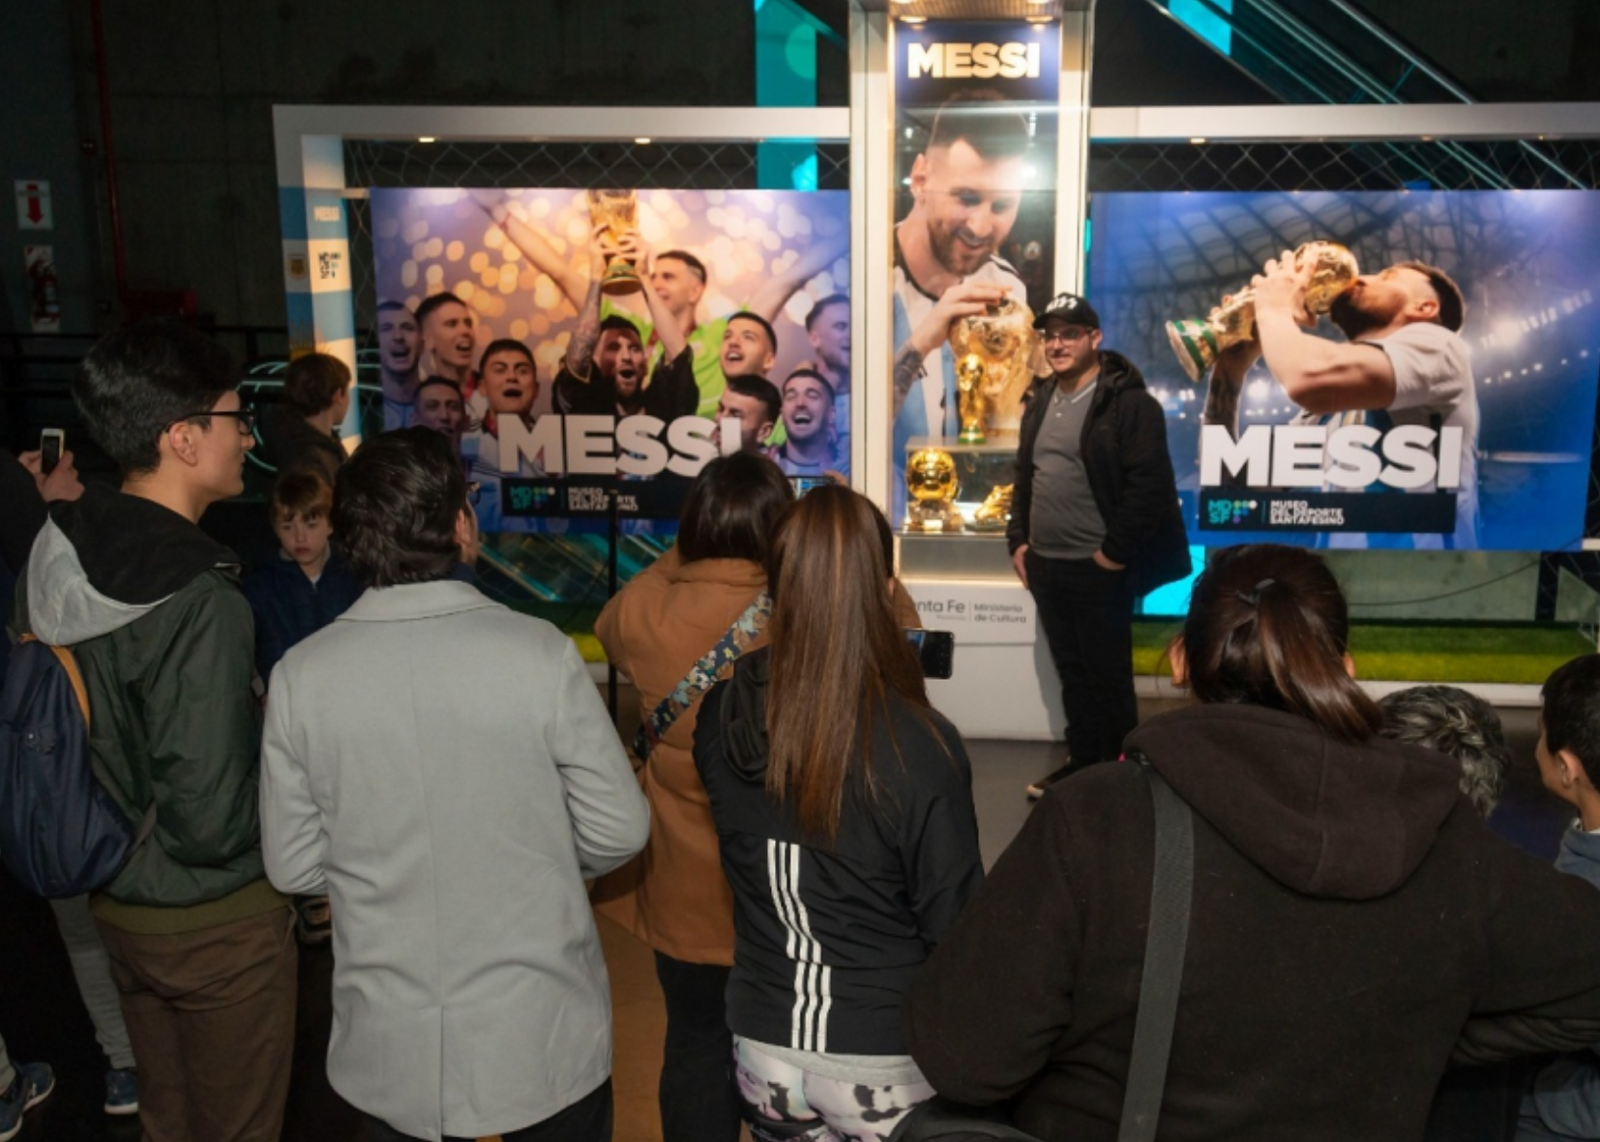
pixel 307 585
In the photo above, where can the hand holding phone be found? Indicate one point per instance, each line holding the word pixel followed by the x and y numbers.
pixel 52 443
pixel 936 650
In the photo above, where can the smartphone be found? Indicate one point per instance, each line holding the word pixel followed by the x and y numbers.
pixel 52 442
pixel 936 650
pixel 804 484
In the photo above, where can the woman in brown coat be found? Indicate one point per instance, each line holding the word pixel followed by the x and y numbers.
pixel 673 895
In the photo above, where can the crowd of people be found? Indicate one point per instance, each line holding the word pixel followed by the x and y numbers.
pixel 353 742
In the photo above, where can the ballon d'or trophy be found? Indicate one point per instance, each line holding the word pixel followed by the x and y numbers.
pixel 619 210
pixel 1198 340
pixel 995 511
pixel 931 480
pixel 992 351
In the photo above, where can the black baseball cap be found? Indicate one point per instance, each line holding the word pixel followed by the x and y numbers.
pixel 1069 307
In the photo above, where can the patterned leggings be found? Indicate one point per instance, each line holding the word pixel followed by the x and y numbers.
pixel 785 1103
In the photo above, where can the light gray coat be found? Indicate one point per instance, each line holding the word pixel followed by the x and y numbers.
pixel 445 771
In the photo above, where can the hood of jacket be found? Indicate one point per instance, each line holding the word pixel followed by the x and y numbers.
pixel 744 716
pixel 1321 816
pixel 109 558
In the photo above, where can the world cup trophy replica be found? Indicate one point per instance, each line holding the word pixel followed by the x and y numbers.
pixel 619 211
pixel 994 356
pixel 931 480
pixel 1198 340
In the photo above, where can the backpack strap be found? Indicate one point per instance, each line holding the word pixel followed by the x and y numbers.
pixel 704 674
pixel 69 663
pixel 1171 895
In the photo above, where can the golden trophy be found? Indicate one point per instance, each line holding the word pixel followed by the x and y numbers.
pixel 995 512
pixel 619 210
pixel 1197 340
pixel 994 366
pixel 931 480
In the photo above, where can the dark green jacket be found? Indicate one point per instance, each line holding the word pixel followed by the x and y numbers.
pixel 150 606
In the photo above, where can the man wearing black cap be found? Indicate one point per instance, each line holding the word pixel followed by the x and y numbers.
pixel 1094 523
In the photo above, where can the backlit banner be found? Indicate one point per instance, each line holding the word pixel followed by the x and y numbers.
pixel 1437 392
pixel 975 170
pixel 583 344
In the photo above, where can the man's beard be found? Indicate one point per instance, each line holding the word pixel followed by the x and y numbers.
pixel 946 251
pixel 1352 320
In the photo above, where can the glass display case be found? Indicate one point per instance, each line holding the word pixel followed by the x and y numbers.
pixel 956 519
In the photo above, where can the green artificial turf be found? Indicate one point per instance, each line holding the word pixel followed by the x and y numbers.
pixel 1514 654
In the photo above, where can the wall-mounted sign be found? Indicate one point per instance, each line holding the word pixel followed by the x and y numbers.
pixel 33 205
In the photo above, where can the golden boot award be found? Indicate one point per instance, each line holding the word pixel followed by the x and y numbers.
pixel 994 354
pixel 931 480
pixel 1197 340
pixel 619 210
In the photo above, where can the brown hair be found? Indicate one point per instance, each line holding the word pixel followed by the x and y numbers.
pixel 837 654
pixel 313 381
pixel 1268 626
pixel 300 492
pixel 1452 305
pixel 732 509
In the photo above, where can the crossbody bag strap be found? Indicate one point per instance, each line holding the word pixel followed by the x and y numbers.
pixel 704 674
pixel 1171 894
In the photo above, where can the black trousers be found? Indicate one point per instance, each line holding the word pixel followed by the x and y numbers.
pixel 699 1102
pixel 587 1120
pixel 1087 616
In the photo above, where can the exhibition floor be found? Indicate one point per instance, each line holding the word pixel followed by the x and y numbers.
pixel 41 1017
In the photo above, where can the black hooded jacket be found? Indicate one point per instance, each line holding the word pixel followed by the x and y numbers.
pixel 1130 473
pixel 827 939
pixel 1351 911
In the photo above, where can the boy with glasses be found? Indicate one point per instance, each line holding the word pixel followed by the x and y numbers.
pixel 200 942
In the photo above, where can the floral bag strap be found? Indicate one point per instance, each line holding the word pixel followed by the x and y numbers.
pixel 704 674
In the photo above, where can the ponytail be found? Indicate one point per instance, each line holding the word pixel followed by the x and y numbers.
pixel 1268 626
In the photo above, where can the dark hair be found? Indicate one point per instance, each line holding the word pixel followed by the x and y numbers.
pixel 302 492
pixel 621 324
pixel 1572 712
pixel 761 389
pixel 436 302
pixel 985 119
pixel 732 509
pixel 436 379
pixel 1268 626
pixel 816 310
pixel 696 266
pixel 1452 305
pixel 384 306
pixel 814 375
pixel 395 505
pixel 507 345
pixel 313 381
pixel 766 326
pixel 1458 723
pixel 138 380
pixel 838 654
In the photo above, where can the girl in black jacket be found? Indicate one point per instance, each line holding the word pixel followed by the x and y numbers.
pixel 843 805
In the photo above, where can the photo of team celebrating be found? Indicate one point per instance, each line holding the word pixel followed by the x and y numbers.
pixel 499 308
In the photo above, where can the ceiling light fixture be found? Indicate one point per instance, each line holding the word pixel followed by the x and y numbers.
pixel 425 138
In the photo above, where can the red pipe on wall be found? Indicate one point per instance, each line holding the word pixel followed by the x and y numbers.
pixel 102 80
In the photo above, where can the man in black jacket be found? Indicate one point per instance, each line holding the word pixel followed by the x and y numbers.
pixel 1094 524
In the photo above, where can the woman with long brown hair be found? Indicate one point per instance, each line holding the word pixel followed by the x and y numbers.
pixel 843 805
pixel 1350 909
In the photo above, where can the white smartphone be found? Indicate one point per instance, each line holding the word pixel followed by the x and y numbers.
pixel 52 442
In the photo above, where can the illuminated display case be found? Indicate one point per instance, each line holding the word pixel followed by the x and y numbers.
pixel 976 551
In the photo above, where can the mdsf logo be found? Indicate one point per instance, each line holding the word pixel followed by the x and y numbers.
pixel 972 61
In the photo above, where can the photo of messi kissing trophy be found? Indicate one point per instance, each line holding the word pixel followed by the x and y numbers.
pixel 619 211
pixel 994 353
pixel 1198 340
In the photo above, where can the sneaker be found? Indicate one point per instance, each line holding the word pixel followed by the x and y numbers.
pixel 1036 790
pixel 122 1091
pixel 33 1085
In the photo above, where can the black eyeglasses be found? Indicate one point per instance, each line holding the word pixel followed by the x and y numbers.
pixel 474 489
pixel 245 416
